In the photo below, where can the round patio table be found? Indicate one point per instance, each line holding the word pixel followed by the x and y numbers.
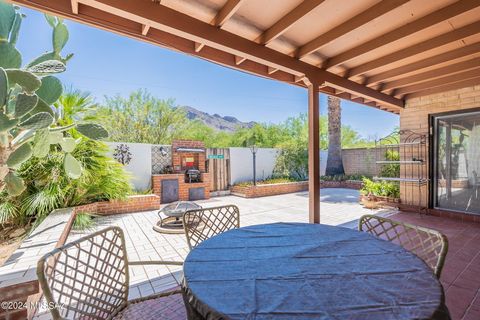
pixel 308 271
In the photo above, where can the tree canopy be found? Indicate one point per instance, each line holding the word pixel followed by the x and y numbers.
pixel 143 118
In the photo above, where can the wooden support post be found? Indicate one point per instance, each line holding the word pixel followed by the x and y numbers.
pixel 313 152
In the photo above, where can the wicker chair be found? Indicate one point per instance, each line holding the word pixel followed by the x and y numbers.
pixel 429 245
pixel 89 279
pixel 201 224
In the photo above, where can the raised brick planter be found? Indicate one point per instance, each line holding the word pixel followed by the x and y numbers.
pixel 263 190
pixel 131 204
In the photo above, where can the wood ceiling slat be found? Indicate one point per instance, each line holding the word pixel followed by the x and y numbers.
pixel 425 63
pixel 438 82
pixel 436 73
pixel 444 88
pixel 227 11
pixel 436 17
pixel 446 38
pixel 359 20
pixel 283 24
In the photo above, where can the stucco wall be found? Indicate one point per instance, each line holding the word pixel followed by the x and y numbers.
pixel 140 167
pixel 241 164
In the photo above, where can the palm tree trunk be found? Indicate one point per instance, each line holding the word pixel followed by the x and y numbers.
pixel 334 159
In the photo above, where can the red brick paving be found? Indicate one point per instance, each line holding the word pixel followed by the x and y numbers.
pixel 461 273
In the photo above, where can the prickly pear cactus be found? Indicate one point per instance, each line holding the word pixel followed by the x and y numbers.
pixel 27 97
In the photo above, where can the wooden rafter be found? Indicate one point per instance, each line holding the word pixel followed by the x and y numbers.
pixel 74 6
pixel 239 60
pixel 429 20
pixel 432 74
pixel 444 88
pixel 145 29
pixel 227 11
pixel 425 63
pixel 282 25
pixel 446 38
pixel 359 20
pixel 198 46
pixel 470 74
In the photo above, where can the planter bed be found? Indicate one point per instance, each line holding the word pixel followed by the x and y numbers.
pixel 380 199
pixel 264 190
pixel 135 203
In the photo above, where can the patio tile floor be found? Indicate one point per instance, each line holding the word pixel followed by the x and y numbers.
pixel 461 273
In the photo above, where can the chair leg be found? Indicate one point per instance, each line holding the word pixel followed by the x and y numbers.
pixel 192 314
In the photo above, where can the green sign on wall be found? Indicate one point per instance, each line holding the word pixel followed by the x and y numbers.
pixel 216 156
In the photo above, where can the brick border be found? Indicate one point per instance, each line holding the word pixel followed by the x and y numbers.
pixel 264 190
pixel 131 204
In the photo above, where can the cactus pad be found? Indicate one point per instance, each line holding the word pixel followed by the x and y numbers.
pixel 25 103
pixel 37 121
pixel 23 137
pixel 43 107
pixel 6 123
pixel 60 37
pixel 3 87
pixel 19 156
pixel 7 17
pixel 41 146
pixel 92 131
pixel 14 183
pixel 48 67
pixel 68 144
pixel 72 166
pixel 50 90
pixel 27 80
pixel 55 137
pixel 9 56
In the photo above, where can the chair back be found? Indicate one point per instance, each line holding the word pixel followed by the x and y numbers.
pixel 429 245
pixel 201 224
pixel 86 278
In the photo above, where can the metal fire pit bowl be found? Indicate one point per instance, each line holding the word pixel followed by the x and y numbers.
pixel 170 216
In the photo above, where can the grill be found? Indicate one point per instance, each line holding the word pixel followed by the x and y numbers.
pixel 192 175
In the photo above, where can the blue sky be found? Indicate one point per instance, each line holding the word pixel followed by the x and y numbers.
pixel 108 64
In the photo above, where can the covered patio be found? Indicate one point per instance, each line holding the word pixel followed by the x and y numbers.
pixel 418 59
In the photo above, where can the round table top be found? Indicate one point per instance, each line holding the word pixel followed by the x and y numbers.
pixel 308 271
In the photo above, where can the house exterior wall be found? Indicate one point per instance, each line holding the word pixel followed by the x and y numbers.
pixel 415 117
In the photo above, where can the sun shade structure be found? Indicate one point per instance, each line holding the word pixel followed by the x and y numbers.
pixel 376 53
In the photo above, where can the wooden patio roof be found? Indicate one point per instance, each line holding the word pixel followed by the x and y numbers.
pixel 376 53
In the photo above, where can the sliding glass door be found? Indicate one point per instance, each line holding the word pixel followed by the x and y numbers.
pixel 456 166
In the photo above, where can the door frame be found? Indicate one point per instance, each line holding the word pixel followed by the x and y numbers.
pixel 432 146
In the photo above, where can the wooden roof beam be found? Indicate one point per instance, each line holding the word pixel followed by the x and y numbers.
pixel 429 20
pixel 436 73
pixel 446 38
pixel 359 20
pixel 438 82
pixel 425 63
pixel 272 70
pixel 170 23
pixel 227 11
pixel 444 88
pixel 282 25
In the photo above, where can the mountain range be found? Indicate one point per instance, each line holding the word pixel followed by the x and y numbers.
pixel 216 121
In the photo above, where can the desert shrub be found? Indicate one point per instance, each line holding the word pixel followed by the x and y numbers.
pixel 267 181
pixel 292 162
pixel 343 177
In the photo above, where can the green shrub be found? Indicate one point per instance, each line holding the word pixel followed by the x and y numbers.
pixel 380 188
pixel 391 170
pixel 267 181
pixel 83 221
pixel 49 187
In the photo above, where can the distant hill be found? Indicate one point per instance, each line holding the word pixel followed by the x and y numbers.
pixel 216 121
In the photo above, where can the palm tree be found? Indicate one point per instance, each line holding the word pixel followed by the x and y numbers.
pixel 334 159
pixel 76 106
